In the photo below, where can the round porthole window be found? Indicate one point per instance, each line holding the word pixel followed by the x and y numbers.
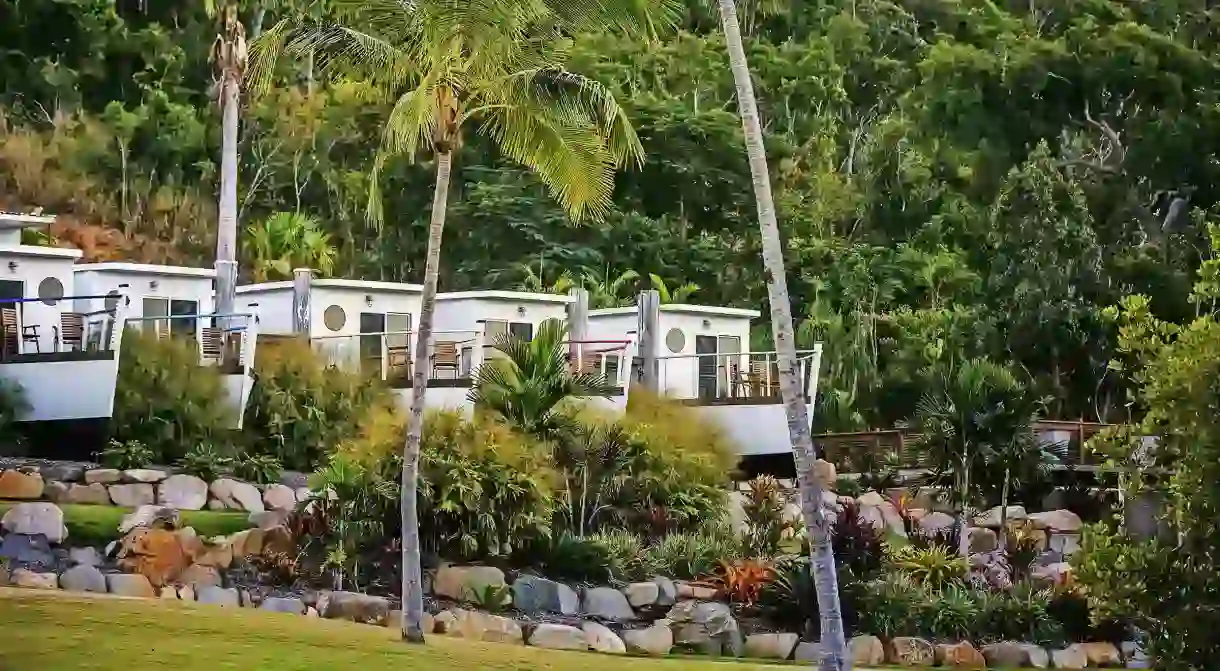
pixel 112 300
pixel 50 290
pixel 675 340
pixel 334 317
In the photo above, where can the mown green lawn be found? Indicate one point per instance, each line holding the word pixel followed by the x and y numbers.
pixel 98 525
pixel 54 631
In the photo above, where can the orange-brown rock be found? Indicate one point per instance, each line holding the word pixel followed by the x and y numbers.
pixel 962 655
pixel 156 554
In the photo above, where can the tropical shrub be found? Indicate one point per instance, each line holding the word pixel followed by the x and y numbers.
pixel 164 399
pixel 743 580
pixel 484 489
pixel 859 547
pixel 262 469
pixel 206 461
pixel 765 523
pixel 1019 614
pixel 131 454
pixel 300 409
pixel 692 555
pixel 624 554
pixel 933 567
pixel 890 606
pixel 566 557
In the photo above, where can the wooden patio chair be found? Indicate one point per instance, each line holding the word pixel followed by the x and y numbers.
pixel 398 361
pixel 445 357
pixel 758 379
pixel 211 344
pixel 70 332
pixel 9 332
pixel 29 334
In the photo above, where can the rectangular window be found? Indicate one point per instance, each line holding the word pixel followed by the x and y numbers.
pixel 182 308
pixel 521 330
pixel 157 307
pixel 372 325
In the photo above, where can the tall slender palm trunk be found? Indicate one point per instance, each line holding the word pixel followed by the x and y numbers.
pixel 822 562
pixel 226 234
pixel 412 576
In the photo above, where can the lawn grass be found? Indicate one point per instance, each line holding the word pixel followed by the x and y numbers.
pixel 98 525
pixel 55 631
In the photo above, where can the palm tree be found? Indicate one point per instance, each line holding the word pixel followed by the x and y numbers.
pixel 822 560
pixel 535 281
pixel 288 240
pixel 495 67
pixel 606 290
pixel 529 382
pixel 679 294
pixel 229 57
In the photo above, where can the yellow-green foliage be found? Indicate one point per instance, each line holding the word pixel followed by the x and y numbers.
pixel 680 438
pixel 165 399
pixel 301 409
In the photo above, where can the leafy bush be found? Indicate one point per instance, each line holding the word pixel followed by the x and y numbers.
pixel 742 581
pixel 763 510
pixel 261 469
pixel 1019 614
pixel 624 554
pixel 206 461
pixel 301 410
pixel 858 546
pixel 567 557
pixel 933 567
pixel 484 489
pixel 890 606
pixel 692 555
pixel 131 454
pixel 164 399
pixel 1021 549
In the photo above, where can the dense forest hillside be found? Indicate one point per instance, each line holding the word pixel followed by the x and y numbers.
pixel 955 178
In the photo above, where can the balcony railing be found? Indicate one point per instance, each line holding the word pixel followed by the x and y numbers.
pixel 389 355
pixel 224 340
pixel 732 377
pixel 50 330
pixel 602 357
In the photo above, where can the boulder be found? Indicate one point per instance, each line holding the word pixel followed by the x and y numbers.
pixel 279 497
pixel 25 551
pixel 478 626
pixel 186 593
pixel 1066 544
pixel 33 579
pixel 707 625
pixel 20 485
pixel 771 646
pixel 607 603
pixel 667 591
pixel 169 593
pixel 283 605
pixel 1057 520
pixel 983 539
pixel 655 640
pixel 1053 574
pixel 191 544
pixel 105 476
pixel 532 594
pixel 183 492
pixel 353 606
pixel 247 543
pixel 33 519
pixel 870 498
pixel 1037 656
pixel 63 471
pixel 279 540
pixel 808 651
pixel 884 516
pixel 84 556
pixel 127 584
pixel 218 596
pixel 866 650
pixel 268 519
pixel 686 590
pixel 1072 657
pixel 444 622
pixel 466 583
pixel 825 472
pixel 146 475
pixel 1101 654
pixel 910 651
pixel 600 638
pixel 133 495
pixel 217 552
pixel 1008 654
pixel 83 578
pixel 57 492
pixel 936 522
pixel 151 516
pixel 991 518
pixel 640 594
pixel 199 576
pixel 95 494
pixel 156 554
pixel 1134 653
pixel 558 637
pixel 237 495
pixel 962 655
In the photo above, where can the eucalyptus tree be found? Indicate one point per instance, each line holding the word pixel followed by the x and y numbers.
pixel 492 67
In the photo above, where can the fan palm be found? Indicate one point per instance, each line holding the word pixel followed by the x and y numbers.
pixel 529 382
pixel 607 291
pixel 288 240
pixel 495 67
pixel 679 294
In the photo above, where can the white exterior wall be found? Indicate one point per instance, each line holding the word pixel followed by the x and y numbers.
pixel 353 302
pixel 464 310
pixel 274 306
pixel 33 265
pixel 191 284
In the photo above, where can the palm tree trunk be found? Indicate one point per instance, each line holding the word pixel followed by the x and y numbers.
pixel 834 645
pixel 226 234
pixel 412 576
